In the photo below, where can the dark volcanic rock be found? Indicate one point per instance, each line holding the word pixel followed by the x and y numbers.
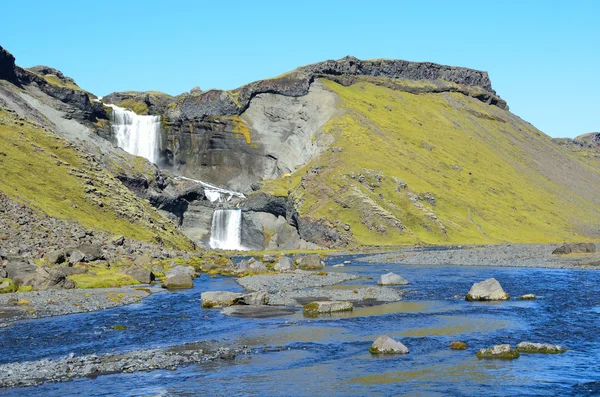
pixel 7 66
pixel 578 248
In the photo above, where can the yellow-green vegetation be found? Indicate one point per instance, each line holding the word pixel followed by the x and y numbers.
pixel 54 80
pixel 240 128
pixel 458 345
pixel 119 328
pixel 438 168
pixel 54 177
pixel 9 286
pixel 135 106
pixel 506 355
pixel 311 309
pixel 101 276
pixel 23 302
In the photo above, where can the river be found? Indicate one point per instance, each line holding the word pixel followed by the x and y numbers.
pixel 329 356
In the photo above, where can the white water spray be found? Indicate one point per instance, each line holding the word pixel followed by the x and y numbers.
pixel 136 134
pixel 226 230
pixel 214 193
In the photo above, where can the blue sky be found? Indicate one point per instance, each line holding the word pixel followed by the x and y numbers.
pixel 543 56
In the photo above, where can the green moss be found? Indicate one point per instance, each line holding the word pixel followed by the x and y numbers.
pixel 135 106
pixel 54 80
pixel 100 276
pixel 311 309
pixel 119 328
pixel 11 287
pixel 475 164
pixel 487 354
pixel 542 350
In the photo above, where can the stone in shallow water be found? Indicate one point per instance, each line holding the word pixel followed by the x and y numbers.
pixel 310 262
pixel 324 307
pixel 527 297
pixel 391 279
pixel 219 298
pixel 284 264
pixel 458 345
pixel 386 345
pixel 487 290
pixel 546 348
pixel 178 281
pixel 502 352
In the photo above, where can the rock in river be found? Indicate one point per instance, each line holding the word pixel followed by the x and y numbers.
pixel 325 307
pixel 254 299
pixel 310 262
pixel 391 279
pixel 487 290
pixel 386 345
pixel 219 298
pixel 284 264
pixel 527 297
pixel 529 347
pixel 179 280
pixel 503 352
pixel 458 345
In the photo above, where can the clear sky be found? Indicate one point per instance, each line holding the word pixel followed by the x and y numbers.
pixel 543 56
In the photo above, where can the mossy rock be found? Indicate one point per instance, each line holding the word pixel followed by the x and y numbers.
pixel 119 328
pixel 7 286
pixel 539 348
pixel 499 352
pixel 458 345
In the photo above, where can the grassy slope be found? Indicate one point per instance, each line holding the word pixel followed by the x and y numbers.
pixel 49 174
pixel 465 153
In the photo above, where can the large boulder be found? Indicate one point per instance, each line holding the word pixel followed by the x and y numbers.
pixel 487 290
pixel 181 270
pixel 503 352
pixel 310 262
pixel 143 260
pixel 546 348
pixel 56 257
pixel 92 252
pixel 576 248
pixel 219 298
pixel 386 345
pixel 46 278
pixel 391 279
pixel 259 298
pixel 256 266
pixel 77 257
pixel 141 274
pixel 7 66
pixel 178 281
pixel 284 264
pixel 325 307
pixel 18 268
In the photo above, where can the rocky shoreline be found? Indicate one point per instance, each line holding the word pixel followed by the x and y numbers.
pixel 505 255
pixel 30 305
pixel 71 367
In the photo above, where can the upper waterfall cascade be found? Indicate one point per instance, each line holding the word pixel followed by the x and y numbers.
pixel 214 193
pixel 138 135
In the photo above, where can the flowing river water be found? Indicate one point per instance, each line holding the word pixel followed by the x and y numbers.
pixel 295 356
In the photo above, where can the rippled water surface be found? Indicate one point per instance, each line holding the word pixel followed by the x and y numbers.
pixel 329 356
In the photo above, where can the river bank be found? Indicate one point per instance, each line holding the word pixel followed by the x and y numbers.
pixel 505 255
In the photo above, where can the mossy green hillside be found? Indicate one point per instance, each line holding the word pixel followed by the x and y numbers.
pixel 137 107
pixel 53 176
pixel 437 168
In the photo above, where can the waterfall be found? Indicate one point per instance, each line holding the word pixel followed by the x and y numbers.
pixel 226 230
pixel 214 193
pixel 136 134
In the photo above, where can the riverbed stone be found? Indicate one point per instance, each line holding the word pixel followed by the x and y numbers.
pixel 544 348
pixel 391 279
pixel 458 345
pixel 386 345
pixel 284 264
pixel 254 299
pixel 310 262
pixel 487 290
pixel 178 281
pixel 527 297
pixel 502 352
pixel 181 270
pixel 55 257
pixel 219 298
pixel 325 307
pixel 575 248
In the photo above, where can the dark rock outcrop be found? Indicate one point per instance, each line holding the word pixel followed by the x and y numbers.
pixel 577 248
pixel 7 66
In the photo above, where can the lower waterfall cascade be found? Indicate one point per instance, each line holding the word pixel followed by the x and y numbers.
pixel 226 230
pixel 138 135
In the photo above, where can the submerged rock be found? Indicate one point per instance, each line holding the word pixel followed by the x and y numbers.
pixel 310 262
pixel 487 290
pixel 386 345
pixel 545 348
pixel 219 298
pixel 458 345
pixel 326 307
pixel 391 279
pixel 527 297
pixel 502 352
